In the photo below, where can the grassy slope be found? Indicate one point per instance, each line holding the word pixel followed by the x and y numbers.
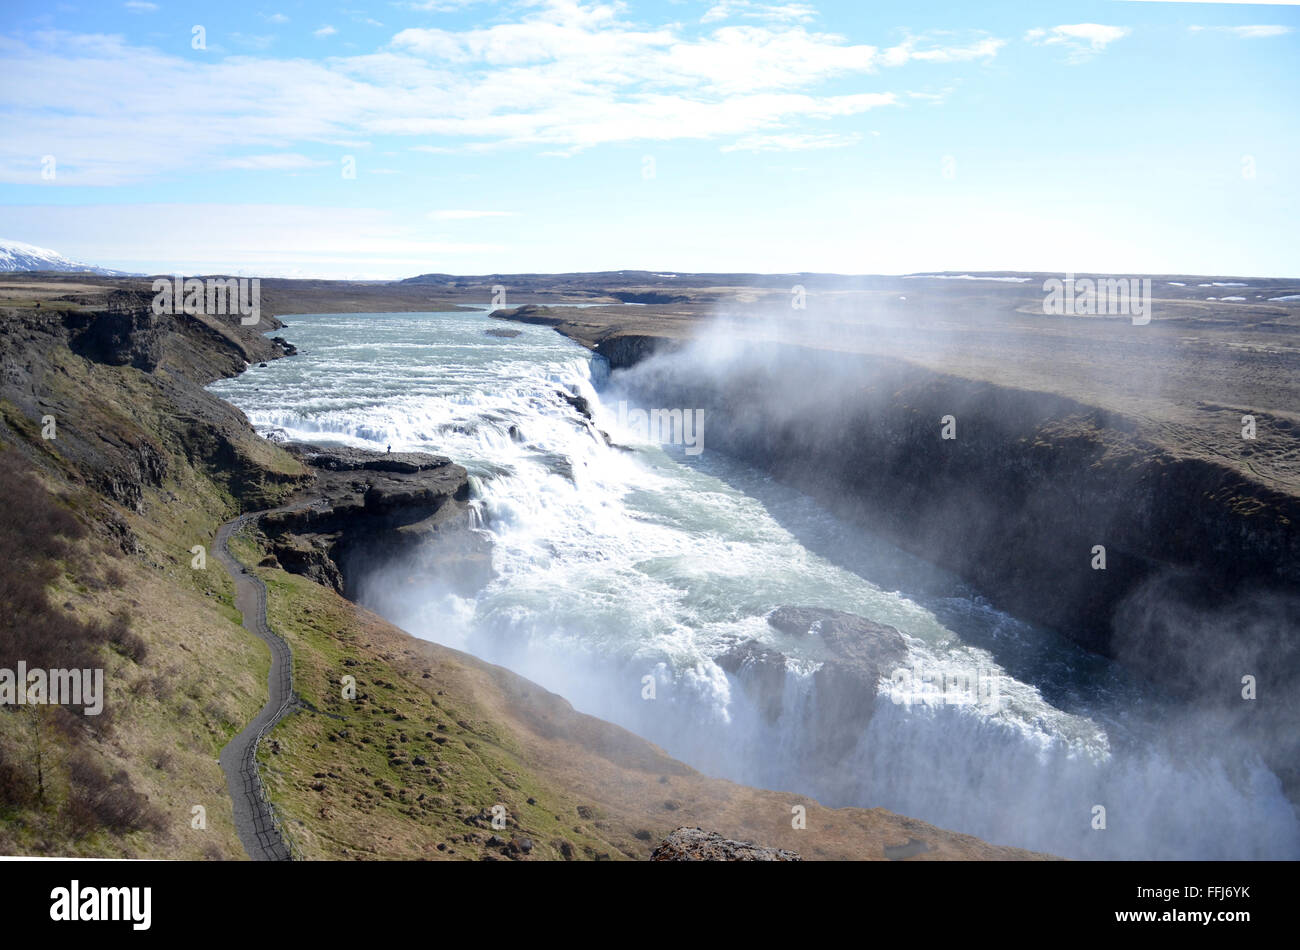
pixel 203 675
pixel 407 761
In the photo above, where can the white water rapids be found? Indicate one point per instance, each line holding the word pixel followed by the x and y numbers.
pixel 614 565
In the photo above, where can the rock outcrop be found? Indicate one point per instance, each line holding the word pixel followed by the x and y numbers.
pixel 370 509
pixel 56 368
pixel 624 350
pixel 530 313
pixel 695 844
pixel 858 654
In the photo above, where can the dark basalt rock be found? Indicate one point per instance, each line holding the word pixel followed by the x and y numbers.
pixel 119 337
pixel 858 654
pixel 124 453
pixel 854 641
pixel 373 510
pixel 761 670
pixel 695 844
pixel 625 350
pixel 530 313
pixel 347 459
pixel 577 402
pixel 648 296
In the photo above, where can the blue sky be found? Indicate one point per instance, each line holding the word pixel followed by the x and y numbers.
pixel 725 135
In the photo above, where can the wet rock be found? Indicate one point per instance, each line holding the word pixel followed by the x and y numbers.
pixel 761 670
pixel 577 402
pixel 857 654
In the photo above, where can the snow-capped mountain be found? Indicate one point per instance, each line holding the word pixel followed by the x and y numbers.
pixel 17 256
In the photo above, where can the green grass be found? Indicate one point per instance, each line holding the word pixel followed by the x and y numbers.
pixel 353 786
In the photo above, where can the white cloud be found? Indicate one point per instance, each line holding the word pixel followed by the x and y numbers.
pixel 793 142
pixel 1081 40
pixel 325 30
pixel 140 6
pixel 439 6
pixel 749 9
pixel 1259 31
pixel 278 161
pixel 984 48
pixel 461 215
pixel 566 77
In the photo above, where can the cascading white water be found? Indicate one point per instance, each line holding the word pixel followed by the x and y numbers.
pixel 616 565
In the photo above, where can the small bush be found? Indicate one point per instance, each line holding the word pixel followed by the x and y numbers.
pixel 161 759
pixel 15 786
pixel 36 531
pixel 98 801
pixel 127 642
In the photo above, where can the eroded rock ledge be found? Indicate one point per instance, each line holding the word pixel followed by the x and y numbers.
pixel 366 510
pixel 857 653
pixel 530 313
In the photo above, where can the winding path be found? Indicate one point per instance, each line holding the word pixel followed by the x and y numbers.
pixel 255 821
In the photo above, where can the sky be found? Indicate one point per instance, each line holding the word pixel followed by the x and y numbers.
pixel 387 139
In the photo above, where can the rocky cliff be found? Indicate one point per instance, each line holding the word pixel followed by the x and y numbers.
pixel 369 510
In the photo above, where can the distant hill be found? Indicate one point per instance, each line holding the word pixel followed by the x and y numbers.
pixel 604 280
pixel 17 256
